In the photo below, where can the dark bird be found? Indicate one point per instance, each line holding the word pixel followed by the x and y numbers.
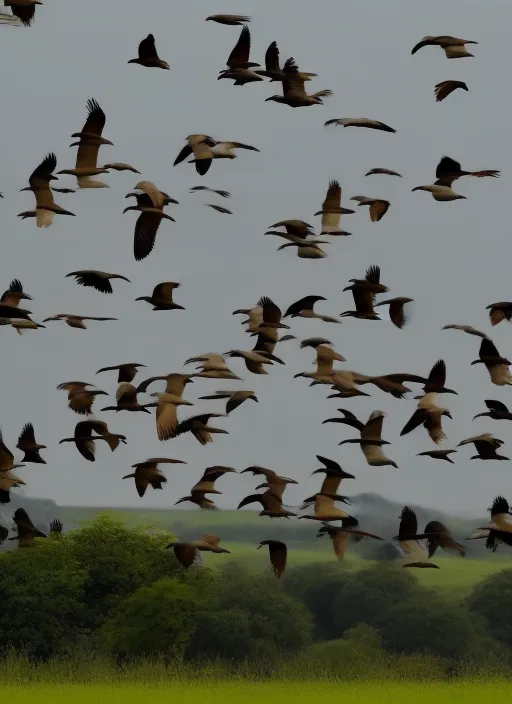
pixel 378 206
pixel 126 397
pixel 334 475
pixel 332 211
pixel 162 297
pixel 80 399
pixel 200 145
pixel 206 485
pixel 304 309
pixel 56 526
pixel 437 535
pixel 26 530
pixel 28 445
pixel 371 440
pixel 148 222
pixel 100 280
pixel 396 310
pixel 186 553
pixel 148 55
pixel 277 552
pixel 453 47
pixel 497 411
pixel 294 92
pixel 126 371
pixel 496 365
pixel 438 455
pixel 360 122
pixel 272 504
pixel 24 10
pixel 200 428
pixel 448 170
pixel 147 473
pixel 234 398
pixel 443 89
pixel 364 292
pixel 222 194
pixel 502 310
pixel 85 440
pixel 239 56
pixel 486 446
pixel 229 19
pixel 219 208
pixel 14 294
pixel 39 184
pixel 414 554
pixel 275 483
pixel 342 536
pixel 465 328
pixel 387 172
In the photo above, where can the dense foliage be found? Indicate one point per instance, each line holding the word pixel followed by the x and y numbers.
pixel 113 590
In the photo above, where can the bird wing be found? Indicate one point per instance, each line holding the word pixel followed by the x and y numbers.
pixel 96 118
pixel 271 312
pixel 147 48
pixel 408 524
pixel 378 209
pixel 372 430
pixel 272 59
pixel 146 229
pixel 333 196
pixel 27 438
pixel 240 53
pixel 488 349
pixel 418 417
pixel 166 420
pixel 496 406
pixel 278 553
pixel 396 313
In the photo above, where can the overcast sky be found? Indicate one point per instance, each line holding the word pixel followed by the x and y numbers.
pixel 452 258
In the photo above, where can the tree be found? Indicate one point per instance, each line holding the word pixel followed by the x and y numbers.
pixel 41 590
pixel 157 619
pixel 491 599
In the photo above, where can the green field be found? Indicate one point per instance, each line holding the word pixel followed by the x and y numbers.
pixel 282 692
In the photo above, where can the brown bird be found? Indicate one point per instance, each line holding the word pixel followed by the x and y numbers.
pixel 363 292
pixel 334 475
pixel 219 208
pixel 497 411
pixel 325 355
pixel 150 205
pixel 75 321
pixel 8 480
pixel 126 371
pixel 342 536
pixel 28 445
pixel 126 397
pixel 271 503
pixel 443 89
pixel 39 184
pixel 200 145
pixel 453 47
pixel 234 398
pixel 304 309
pixel 167 414
pixel 254 361
pixel 294 93
pixel 438 455
pixel 435 383
pixel 497 366
pixel 465 328
pixel 147 473
pixel 448 170
pixel 414 554
pixel 84 438
pixel 430 416
pixel 199 499
pixel 213 366
pixel 485 445
pixel 187 553
pixel 360 122
pixel 222 194
pixel 501 518
pixel 229 19
pixel 239 56
pixel 396 310
pixel 324 508
pixel 371 441
pixel 148 55
pixel 306 249
pixel 175 383
pixel 80 399
pixel 383 171
pixel 206 485
pixel 25 529
pixel 275 483
pixel 273 69
pixel 14 294
pixel 277 552
pixel 100 280
pixel 24 10
pixel 295 228
pixel 502 310
pixel 198 426
pixel 162 297
pixel 378 206
pixel 332 211
pixel 437 535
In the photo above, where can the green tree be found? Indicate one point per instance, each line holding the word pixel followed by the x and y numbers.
pixel 491 599
pixel 157 619
pixel 41 590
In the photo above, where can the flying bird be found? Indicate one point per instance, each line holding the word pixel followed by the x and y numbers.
pixel 448 170
pixel 126 371
pixel 332 211
pixel 80 399
pixel 443 89
pixel 75 321
pixel 497 411
pixel 294 92
pixel 277 552
pixel 378 206
pixel 100 280
pixel 396 309
pixel 342 536
pixel 234 398
pixel 439 455
pixel 28 445
pixel 85 440
pixel 360 122
pixel 23 10
pixel 414 554
pixel 502 310
pixel 430 416
pixel 147 474
pixel 222 194
pixel 186 553
pixel 148 55
pixel 497 366
pixel 486 446
pixel 229 19
pixel 383 171
pixel 453 47
pixel 39 184
pixel 162 297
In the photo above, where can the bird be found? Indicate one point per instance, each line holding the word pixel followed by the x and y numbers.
pixel 430 416
pixel 175 383
pixel 294 93
pixel 342 536
pixel 334 475
pixel 502 310
pixel 275 483
pixel 371 441
pixel 147 473
pixel 443 89
pixel 75 321
pixel 465 328
pixel 414 554
pixel 438 455
pixel 200 145
pixel 229 19
pixel 39 184
pixel 437 535
pixel 56 526
pixel 8 480
pixel 213 366
pixel 126 398
pixel 360 122
pixel 448 170
pixel 219 208
pixel 239 56
pixel 148 55
pixel 453 47
pixel 497 411
pixel 332 211
pixel 234 398
pixel 272 504
pixel 363 292
pixel 378 206
pixel 200 428
pixel 126 372
pixel 100 280
pixel 162 297
pixel 303 308
pixel 186 553
pixel 14 294
pixel 306 249
pixel 486 446
pixel 440 193
pixel 206 485
pixel 28 445
pixel 324 508
pixel 273 69
pixel 254 361
pixel 383 171
pixel 497 366
pixel 222 194
pixel 396 309
pixel 25 529
pixel 85 440
pixel 325 355
pixel 277 552
pixel 150 205
pixel 80 399
pixel 24 10
pixel 167 414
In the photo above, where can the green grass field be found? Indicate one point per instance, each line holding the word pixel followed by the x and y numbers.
pixel 250 692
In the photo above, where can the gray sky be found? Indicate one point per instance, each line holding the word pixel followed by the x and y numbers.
pixel 444 255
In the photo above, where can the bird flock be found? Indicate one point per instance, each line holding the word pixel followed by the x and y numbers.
pixel 263 321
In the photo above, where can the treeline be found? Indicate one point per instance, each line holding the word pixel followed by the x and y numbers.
pixel 113 590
